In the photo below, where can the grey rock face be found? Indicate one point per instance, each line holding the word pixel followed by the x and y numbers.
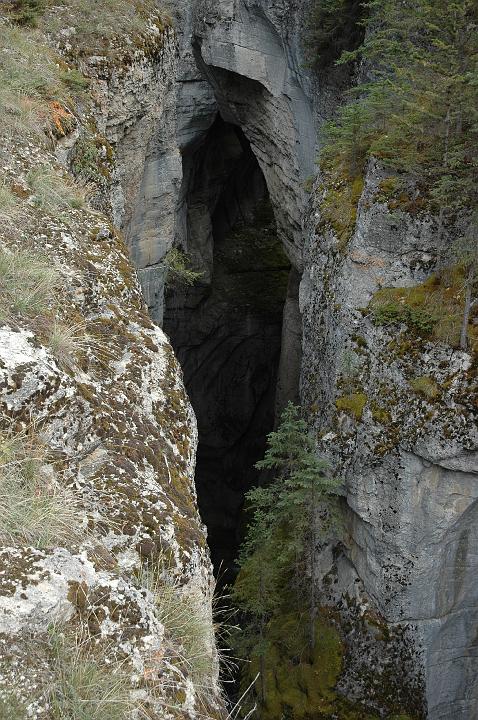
pixel 408 462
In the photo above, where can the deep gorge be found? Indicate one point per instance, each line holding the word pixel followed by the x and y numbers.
pixel 227 329
pixel 334 265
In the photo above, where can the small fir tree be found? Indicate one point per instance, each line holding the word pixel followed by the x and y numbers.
pixel 289 517
pixel 418 110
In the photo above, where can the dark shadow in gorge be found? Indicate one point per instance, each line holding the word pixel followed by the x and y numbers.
pixel 226 330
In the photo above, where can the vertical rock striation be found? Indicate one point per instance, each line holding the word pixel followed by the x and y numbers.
pixel 395 414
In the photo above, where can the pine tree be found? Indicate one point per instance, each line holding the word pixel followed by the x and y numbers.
pixel 334 27
pixel 418 112
pixel 289 517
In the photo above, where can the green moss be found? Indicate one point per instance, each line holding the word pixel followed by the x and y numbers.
pixel 294 680
pixel 339 206
pixel 352 404
pixel 425 386
pixel 380 415
pixel 431 309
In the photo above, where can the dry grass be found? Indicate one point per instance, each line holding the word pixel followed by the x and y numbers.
pixel 11 708
pixel 68 343
pixel 98 24
pixel 9 209
pixel 29 79
pixel 28 284
pixel 52 192
pixel 34 507
pixel 188 629
pixel 83 686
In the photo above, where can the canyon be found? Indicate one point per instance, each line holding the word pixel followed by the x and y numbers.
pixel 215 137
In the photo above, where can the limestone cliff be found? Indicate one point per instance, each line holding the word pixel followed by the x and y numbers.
pixel 395 414
pixel 104 559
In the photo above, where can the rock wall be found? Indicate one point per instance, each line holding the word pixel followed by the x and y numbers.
pixel 90 386
pixel 406 450
pixel 396 416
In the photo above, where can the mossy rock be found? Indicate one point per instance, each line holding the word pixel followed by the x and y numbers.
pixel 352 404
pixel 296 682
pixel 433 309
pixel 426 387
pixel 339 206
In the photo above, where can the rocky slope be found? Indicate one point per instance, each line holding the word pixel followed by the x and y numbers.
pixel 105 568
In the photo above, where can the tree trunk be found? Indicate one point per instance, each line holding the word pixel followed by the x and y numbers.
pixel 441 216
pixel 313 572
pixel 466 311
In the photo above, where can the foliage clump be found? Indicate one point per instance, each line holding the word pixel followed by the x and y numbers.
pixel 290 516
pixel 334 26
pixel 417 112
pixel 26 12
pixel 178 271
pixel 433 309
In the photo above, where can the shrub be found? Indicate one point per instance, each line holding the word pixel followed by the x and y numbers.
pixel 28 283
pixel 177 270
pixel 52 192
pixel 87 162
pixel 34 507
pixel 27 12
pixel 432 309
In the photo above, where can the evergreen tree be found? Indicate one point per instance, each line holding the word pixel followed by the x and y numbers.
pixel 418 112
pixel 289 517
pixel 334 27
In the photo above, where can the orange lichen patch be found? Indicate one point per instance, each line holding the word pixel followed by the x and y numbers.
pixel 62 119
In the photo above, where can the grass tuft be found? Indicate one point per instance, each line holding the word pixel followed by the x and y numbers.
pixel 28 283
pixel 84 687
pixel 188 628
pixel 34 507
pixel 67 343
pixel 52 192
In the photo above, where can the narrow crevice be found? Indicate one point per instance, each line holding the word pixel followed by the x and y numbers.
pixel 227 329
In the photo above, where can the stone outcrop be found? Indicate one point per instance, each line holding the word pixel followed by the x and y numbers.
pixel 104 402
pixel 407 458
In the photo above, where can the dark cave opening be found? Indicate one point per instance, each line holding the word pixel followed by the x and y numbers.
pixel 227 328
